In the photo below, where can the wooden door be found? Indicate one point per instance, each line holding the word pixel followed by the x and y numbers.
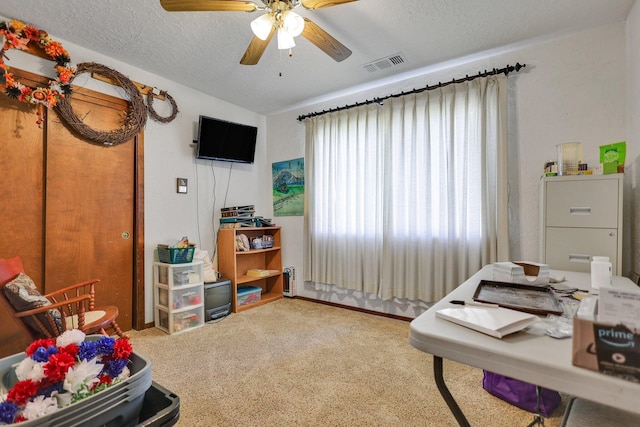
pixel 66 205
pixel 89 203
pixel 21 205
pixel 21 185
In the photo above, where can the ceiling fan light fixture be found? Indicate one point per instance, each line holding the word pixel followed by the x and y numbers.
pixel 285 40
pixel 261 26
pixel 293 23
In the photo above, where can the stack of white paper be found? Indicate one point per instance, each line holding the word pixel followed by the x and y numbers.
pixel 531 273
pixel 495 321
pixel 616 305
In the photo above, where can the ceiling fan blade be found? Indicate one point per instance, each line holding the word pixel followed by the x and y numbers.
pixel 317 4
pixel 256 48
pixel 208 6
pixel 325 41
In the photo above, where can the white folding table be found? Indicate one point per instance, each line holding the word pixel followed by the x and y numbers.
pixel 536 359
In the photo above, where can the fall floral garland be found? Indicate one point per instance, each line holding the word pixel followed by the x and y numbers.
pixel 17 35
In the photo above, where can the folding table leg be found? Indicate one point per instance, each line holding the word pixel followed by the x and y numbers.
pixel 446 394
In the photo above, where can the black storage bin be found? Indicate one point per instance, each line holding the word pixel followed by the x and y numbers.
pixel 160 407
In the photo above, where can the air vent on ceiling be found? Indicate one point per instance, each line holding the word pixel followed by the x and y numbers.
pixel 384 63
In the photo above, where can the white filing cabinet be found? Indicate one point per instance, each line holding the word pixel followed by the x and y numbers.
pixel 179 296
pixel 581 218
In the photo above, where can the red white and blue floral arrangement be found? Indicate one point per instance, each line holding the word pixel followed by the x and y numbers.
pixel 59 372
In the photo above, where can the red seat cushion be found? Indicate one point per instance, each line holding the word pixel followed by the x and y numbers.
pixel 9 269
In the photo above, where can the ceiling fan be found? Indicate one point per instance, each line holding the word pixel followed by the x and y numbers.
pixel 279 18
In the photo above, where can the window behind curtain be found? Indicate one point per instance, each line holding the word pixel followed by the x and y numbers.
pixel 406 199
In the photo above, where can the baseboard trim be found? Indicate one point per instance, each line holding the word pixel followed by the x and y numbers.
pixel 333 304
pixel 361 310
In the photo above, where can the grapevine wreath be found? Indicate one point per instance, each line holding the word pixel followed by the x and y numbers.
pixel 16 34
pixel 135 119
pixel 152 111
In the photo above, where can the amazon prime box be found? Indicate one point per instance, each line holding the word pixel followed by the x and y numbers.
pixel 608 347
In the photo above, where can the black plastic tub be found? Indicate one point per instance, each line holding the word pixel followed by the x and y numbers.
pixel 160 407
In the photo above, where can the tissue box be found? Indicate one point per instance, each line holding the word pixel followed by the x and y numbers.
pixel 528 273
pixel 612 349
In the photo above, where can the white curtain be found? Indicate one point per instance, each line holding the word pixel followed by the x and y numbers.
pixel 408 199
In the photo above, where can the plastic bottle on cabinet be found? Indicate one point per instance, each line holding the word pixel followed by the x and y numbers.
pixel 600 273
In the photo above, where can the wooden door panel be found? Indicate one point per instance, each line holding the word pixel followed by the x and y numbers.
pixel 21 181
pixel 90 208
pixel 21 174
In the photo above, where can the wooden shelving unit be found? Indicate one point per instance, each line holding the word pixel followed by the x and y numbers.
pixel 234 264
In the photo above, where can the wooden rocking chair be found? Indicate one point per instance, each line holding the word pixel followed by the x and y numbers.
pixel 51 314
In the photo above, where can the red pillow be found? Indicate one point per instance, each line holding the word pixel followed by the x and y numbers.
pixel 9 269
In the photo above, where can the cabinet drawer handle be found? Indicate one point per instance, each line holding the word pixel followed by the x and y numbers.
pixel 579 258
pixel 579 210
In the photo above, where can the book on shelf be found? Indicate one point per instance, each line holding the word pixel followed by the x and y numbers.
pixel 228 219
pixel 257 272
pixel 238 211
pixel 226 225
pixel 495 321
pixel 263 222
pixel 238 208
pixel 246 222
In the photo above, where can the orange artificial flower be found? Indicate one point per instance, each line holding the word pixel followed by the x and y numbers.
pixel 11 41
pixel 9 81
pixel 25 92
pixel 64 74
pixel 16 25
pixel 55 49
pixel 52 97
pixel 32 33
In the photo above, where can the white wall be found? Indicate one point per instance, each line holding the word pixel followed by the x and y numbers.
pixel 573 89
pixel 632 172
pixel 169 155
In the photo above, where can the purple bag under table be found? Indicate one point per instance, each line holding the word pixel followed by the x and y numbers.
pixel 521 394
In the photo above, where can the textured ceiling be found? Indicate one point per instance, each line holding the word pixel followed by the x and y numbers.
pixel 202 50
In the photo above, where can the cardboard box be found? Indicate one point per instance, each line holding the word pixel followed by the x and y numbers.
pixel 605 347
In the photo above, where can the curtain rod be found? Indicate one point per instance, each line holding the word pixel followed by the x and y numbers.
pixel 506 70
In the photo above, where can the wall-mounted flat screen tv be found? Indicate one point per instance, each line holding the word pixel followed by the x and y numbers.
pixel 225 141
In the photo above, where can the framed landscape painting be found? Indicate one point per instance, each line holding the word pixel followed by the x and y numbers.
pixel 288 187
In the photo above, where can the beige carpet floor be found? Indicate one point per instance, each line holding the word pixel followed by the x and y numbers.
pixel 298 363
